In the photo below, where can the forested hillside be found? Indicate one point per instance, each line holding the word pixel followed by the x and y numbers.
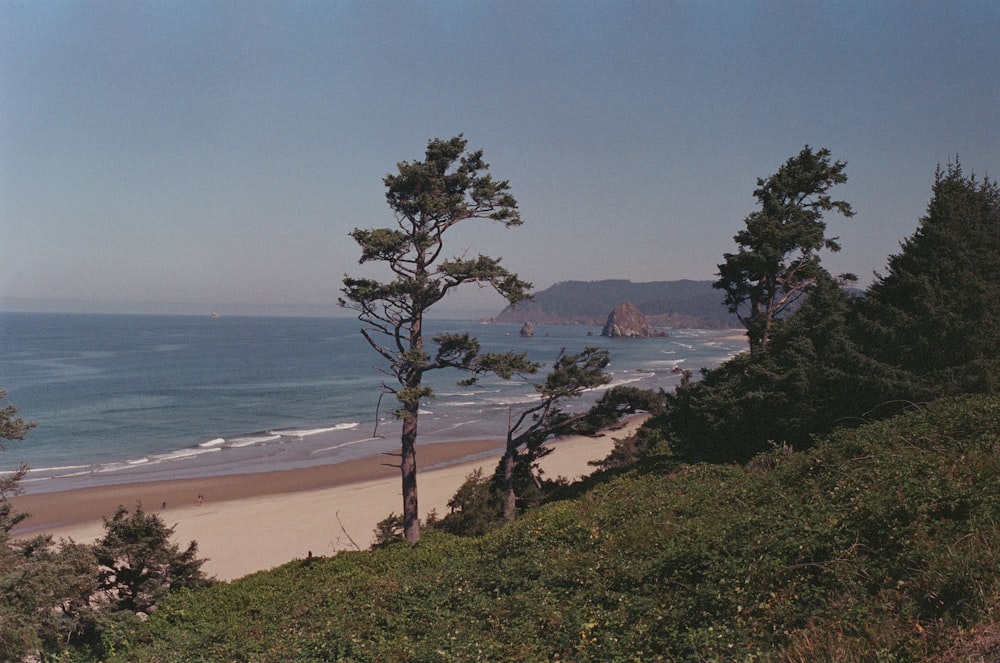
pixel 685 303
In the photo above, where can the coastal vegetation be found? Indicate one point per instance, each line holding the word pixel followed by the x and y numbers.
pixel 777 261
pixel 484 503
pixel 429 198
pixel 926 329
pixel 55 596
pixel 12 427
pixel 828 495
pixel 880 544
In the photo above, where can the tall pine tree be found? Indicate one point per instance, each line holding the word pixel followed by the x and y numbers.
pixel 936 312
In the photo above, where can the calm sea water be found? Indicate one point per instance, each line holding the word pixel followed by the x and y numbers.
pixel 132 397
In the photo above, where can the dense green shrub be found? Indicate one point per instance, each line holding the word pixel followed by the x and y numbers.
pixel 91 597
pixel 880 544
pixel 925 330
pixel 936 312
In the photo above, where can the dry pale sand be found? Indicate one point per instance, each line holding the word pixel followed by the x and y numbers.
pixel 253 522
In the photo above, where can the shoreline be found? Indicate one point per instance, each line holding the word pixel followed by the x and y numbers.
pixel 72 506
pixel 253 522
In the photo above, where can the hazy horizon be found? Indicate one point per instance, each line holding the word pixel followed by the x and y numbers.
pixel 467 305
pixel 229 309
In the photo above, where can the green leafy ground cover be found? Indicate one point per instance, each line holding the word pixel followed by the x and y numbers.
pixel 880 544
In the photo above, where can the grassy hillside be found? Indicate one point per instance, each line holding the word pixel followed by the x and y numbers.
pixel 881 544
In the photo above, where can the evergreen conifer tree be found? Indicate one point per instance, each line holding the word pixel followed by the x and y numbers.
pixel 429 198
pixel 936 313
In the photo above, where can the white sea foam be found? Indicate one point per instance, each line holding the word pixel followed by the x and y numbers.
pixel 185 453
pixel 55 468
pixel 515 400
pixel 217 442
pixel 306 432
pixel 180 454
pixel 168 347
pixel 465 393
pixel 619 381
pixel 342 445
pixel 457 425
pixel 61 475
pixel 250 440
pixel 665 362
pixel 47 473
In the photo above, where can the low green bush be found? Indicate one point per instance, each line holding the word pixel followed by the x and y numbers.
pixel 881 544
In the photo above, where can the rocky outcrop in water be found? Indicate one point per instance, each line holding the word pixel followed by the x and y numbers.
pixel 627 321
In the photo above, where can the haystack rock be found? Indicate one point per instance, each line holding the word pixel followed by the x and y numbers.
pixel 528 329
pixel 627 321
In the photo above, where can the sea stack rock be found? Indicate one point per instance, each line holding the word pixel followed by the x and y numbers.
pixel 527 330
pixel 627 321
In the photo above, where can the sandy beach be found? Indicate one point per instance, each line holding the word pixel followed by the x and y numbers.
pixel 253 522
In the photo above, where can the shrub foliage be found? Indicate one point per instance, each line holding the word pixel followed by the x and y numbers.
pixel 879 544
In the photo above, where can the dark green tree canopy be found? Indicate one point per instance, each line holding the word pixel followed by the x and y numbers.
pixel 139 565
pixel 570 377
pixel 482 504
pixel 12 427
pixel 777 259
pixel 447 187
pixel 926 329
pixel 936 312
pixel 428 198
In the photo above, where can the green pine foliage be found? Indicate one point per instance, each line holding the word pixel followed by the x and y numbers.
pixel 12 427
pixel 475 509
pixel 881 544
pixel 813 378
pixel 44 596
pixel 936 312
pixel 777 259
pixel 89 597
pixel 139 564
pixel 428 198
pixel 925 330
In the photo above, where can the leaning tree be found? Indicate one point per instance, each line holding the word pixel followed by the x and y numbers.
pixel 428 198
pixel 570 377
pixel 777 260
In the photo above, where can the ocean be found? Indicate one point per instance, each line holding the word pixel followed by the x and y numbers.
pixel 121 398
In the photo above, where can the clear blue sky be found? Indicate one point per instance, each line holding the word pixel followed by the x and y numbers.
pixel 216 154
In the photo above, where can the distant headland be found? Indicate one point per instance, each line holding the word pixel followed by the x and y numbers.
pixel 678 304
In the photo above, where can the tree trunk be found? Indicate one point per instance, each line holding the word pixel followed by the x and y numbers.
pixel 408 468
pixel 509 498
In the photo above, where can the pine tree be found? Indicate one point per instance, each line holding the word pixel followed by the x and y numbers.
pixel 429 198
pixel 936 313
pixel 777 261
